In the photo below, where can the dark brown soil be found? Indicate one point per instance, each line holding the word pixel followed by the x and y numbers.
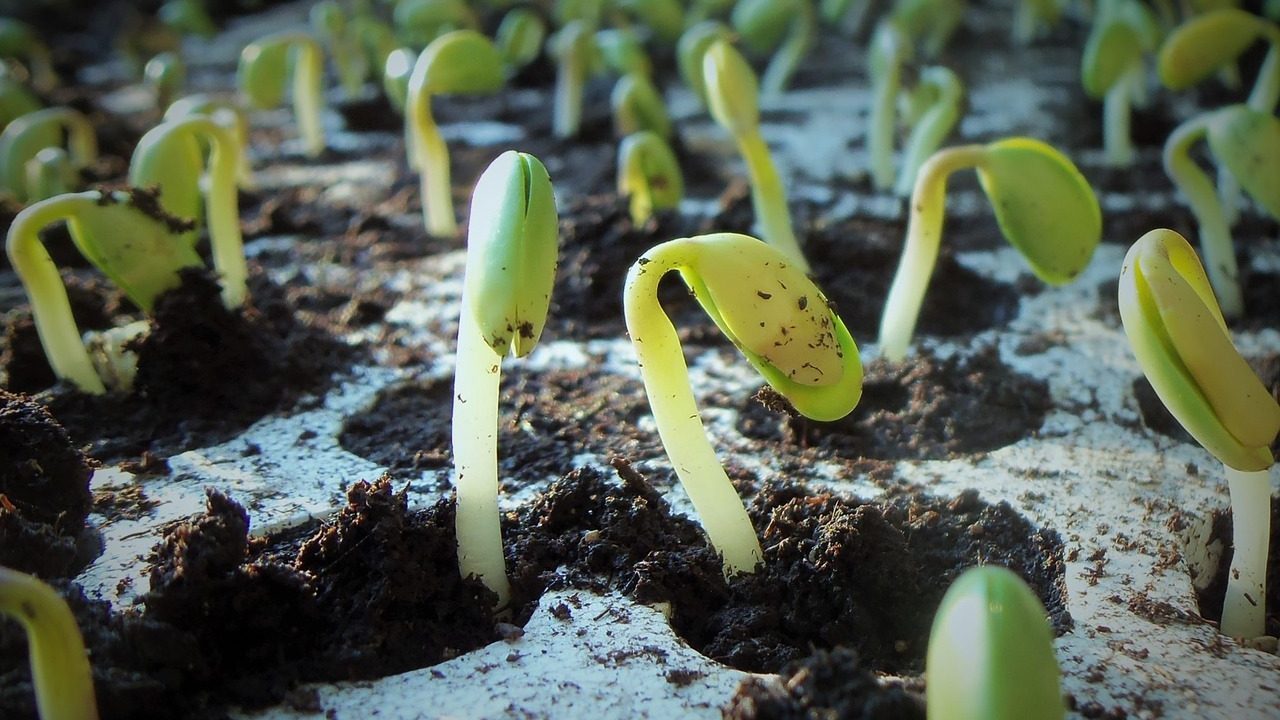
pixel 44 491
pixel 205 373
pixel 546 418
pixel 1211 598
pixel 827 684
pixel 925 408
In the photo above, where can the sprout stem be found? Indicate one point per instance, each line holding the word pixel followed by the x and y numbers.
pixel 924 234
pixel 666 381
pixel 932 127
pixel 223 215
pixel 785 61
pixel 477 374
pixel 431 158
pixel 1266 89
pixel 1215 233
pixel 880 130
pixel 50 306
pixel 571 76
pixel 769 198
pixel 1244 610
pixel 1116 111
pixel 308 100
pixel 60 667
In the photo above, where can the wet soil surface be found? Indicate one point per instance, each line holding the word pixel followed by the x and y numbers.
pixel 376 590
pixel 204 373
pixel 827 684
pixel 546 418
pixel 44 492
pixel 924 408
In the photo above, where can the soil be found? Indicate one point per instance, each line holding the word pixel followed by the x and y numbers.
pixel 925 409
pixel 44 492
pixel 204 373
pixel 827 684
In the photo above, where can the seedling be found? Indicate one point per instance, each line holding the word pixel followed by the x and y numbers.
pixel 574 52
pixel 520 36
pixel 991 652
pixel 649 175
pixel 265 65
pixel 227 114
pixel 128 237
pixel 1112 69
pixel 166 75
pixel 396 72
pixel 692 46
pixel 459 62
pixel 1246 145
pixel 888 50
pixel 780 321
pixel 622 52
pixel 512 243
pixel 1043 205
pixel 732 96
pixel 31 133
pixel 20 41
pixel 331 25
pixel 374 39
pixel 786 27
pixel 637 105
pixel 929 23
pixel 50 173
pixel 938 97
pixel 169 157
pixel 15 100
pixel 187 17
pixel 1214 40
pixel 665 18
pixel 60 668
pixel 1180 339
pixel 1033 17
pixel 419 23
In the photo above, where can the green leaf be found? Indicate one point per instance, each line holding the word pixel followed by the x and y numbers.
pixel 1178 335
pixel 637 105
pixel 172 163
pixel 264 70
pixel 780 321
pixel 512 247
pixel 1044 206
pixel 1113 47
pixel 733 93
pixel 1248 143
pixel 763 23
pixel 520 36
pixel 134 245
pixel 622 52
pixel 991 652
pixel 1198 47
pixel 692 46
pixel 460 62
pixel 419 22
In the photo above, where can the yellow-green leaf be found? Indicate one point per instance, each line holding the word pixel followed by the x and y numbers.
pixel 1200 46
pixel 1248 143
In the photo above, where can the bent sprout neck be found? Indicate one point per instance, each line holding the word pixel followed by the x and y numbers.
pixel 784 327
pixel 920 254
pixel 50 307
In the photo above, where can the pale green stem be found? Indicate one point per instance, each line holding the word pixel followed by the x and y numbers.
pixel 477 375
pixel 1244 610
pixel 633 183
pixel 1229 196
pixel 50 307
pixel 1216 248
pixel 666 382
pixel 924 236
pixel 308 96
pixel 571 76
pixel 1266 89
pixel 1116 112
pixel 769 197
pixel 431 158
pixel 60 668
pixel 880 130
pixel 785 61
pixel 932 128
pixel 222 212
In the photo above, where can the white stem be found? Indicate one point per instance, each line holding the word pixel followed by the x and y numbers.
pixel 666 382
pixel 477 374
pixel 1244 610
pixel 1116 117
